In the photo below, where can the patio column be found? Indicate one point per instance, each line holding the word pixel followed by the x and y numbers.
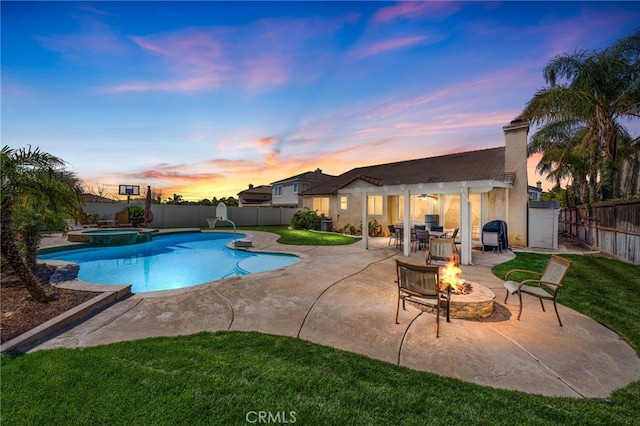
pixel 465 227
pixel 365 233
pixel 407 224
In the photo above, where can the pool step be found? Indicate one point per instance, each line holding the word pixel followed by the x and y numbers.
pixel 242 243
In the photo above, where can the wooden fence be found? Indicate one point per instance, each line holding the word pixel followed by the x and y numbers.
pixel 612 227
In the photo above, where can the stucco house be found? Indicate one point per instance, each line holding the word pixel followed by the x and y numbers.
pixel 465 190
pixel 286 192
pixel 535 192
pixel 255 196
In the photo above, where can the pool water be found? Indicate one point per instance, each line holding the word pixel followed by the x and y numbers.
pixel 170 261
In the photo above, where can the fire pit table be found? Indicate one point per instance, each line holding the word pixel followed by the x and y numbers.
pixel 478 303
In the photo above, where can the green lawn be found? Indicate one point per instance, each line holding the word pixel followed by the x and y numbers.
pixel 302 237
pixel 223 378
pixel 604 289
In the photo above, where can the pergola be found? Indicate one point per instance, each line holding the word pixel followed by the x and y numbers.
pixel 367 187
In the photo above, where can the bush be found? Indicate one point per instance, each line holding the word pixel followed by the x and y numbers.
pixel 136 214
pixel 307 219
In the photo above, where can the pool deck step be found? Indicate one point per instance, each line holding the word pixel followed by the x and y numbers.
pixel 110 294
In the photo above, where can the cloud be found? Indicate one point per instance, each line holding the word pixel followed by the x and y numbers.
pixel 94 40
pixel 260 55
pixel 415 9
pixel 386 45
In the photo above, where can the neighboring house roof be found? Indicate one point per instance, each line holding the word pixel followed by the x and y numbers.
pixel 255 195
pixel 486 164
pixel 91 198
pixel 315 175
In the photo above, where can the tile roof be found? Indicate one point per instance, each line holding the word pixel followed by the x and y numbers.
pixel 315 175
pixel 261 189
pixel 485 164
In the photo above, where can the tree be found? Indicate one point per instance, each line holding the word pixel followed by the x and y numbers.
pixel 37 191
pixel 593 90
pixel 177 199
pixel 563 157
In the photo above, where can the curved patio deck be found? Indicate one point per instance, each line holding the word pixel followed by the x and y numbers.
pixel 350 304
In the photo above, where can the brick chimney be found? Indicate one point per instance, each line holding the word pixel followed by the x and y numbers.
pixel 250 186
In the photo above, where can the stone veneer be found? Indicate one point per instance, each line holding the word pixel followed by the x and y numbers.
pixel 477 304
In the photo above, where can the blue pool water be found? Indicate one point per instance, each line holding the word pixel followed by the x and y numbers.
pixel 169 261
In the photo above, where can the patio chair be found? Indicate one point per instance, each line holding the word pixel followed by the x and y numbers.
pixel 400 239
pixel 454 236
pixel 393 235
pixel 421 284
pixel 545 287
pixel 442 249
pixel 422 237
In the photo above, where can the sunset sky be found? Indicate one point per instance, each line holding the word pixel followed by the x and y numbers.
pixel 203 98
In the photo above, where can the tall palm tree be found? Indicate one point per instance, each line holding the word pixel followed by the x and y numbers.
pixel 595 89
pixel 36 189
pixel 563 156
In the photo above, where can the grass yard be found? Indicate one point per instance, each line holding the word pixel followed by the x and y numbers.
pixel 221 378
pixel 228 378
pixel 301 237
pixel 604 289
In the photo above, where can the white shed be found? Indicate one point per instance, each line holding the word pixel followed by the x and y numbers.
pixel 543 224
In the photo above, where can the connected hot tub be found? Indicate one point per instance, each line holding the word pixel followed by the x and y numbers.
pixel 111 237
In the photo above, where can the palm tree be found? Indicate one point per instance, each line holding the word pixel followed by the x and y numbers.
pixel 36 191
pixel 563 156
pixel 595 89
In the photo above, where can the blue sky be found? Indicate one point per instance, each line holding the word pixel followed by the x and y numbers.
pixel 203 98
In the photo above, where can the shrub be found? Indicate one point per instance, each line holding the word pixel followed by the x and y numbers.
pixel 375 230
pixel 306 219
pixel 136 214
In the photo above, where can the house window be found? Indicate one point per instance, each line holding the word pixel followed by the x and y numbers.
pixel 344 202
pixel 321 205
pixel 277 191
pixel 295 187
pixel 451 210
pixel 419 206
pixel 374 205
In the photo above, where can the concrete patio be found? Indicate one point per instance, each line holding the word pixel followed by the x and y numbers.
pixel 345 297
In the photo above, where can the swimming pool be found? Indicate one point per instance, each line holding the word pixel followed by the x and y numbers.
pixel 169 261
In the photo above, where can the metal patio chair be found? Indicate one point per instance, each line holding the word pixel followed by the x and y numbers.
pixel 545 287
pixel 420 284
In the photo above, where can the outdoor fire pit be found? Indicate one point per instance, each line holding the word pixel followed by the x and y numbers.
pixel 468 299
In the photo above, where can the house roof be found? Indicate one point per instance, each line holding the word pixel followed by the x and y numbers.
pixel 481 165
pixel 261 189
pixel 255 195
pixel 92 198
pixel 315 175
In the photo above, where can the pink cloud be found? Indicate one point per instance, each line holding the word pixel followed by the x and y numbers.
pixel 387 45
pixel 261 55
pixel 413 9
pixel 204 82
